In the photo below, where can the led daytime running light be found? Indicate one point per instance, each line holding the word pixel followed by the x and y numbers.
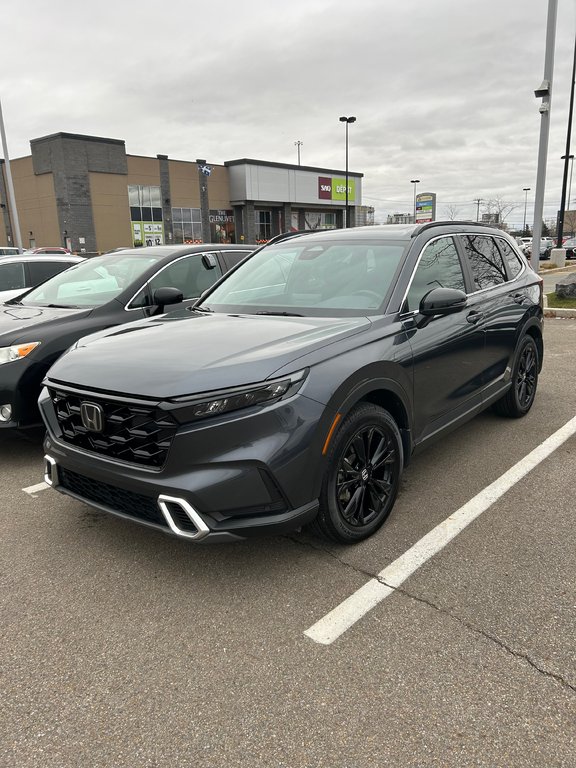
pixel 225 402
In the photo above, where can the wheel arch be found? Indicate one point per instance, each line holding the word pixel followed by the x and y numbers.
pixel 534 330
pixel 384 392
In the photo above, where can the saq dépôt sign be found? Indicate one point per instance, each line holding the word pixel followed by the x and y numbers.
pixel 330 188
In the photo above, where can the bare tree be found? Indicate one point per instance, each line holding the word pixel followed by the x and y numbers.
pixel 451 212
pixel 499 209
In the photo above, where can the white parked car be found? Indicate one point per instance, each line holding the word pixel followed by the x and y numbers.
pixel 20 273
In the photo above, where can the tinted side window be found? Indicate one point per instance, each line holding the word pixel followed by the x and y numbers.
pixel 439 267
pixel 231 258
pixel 189 275
pixel 11 277
pixel 511 258
pixel 42 270
pixel 485 261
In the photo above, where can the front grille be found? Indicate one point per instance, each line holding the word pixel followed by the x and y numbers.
pixel 117 499
pixel 139 433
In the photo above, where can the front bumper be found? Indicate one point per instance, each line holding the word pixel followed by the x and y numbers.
pixel 250 473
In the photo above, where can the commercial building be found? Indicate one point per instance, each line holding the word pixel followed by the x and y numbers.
pixel 87 193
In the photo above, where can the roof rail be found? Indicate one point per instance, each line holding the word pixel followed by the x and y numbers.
pixel 431 224
pixel 288 235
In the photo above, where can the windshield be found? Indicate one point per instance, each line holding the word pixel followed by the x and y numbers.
pixel 92 283
pixel 319 278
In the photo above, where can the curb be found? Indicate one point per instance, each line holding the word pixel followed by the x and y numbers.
pixel 559 312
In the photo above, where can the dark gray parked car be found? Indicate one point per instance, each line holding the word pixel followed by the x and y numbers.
pixel 298 388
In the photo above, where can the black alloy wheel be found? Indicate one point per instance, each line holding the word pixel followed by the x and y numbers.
pixel 362 479
pixel 520 397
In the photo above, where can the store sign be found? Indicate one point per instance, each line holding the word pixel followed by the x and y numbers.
pixel 145 233
pixel 331 188
pixel 425 207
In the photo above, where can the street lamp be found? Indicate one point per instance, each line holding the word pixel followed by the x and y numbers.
pixel 571 158
pixel 414 181
pixel 525 190
pixel 347 120
pixel 298 144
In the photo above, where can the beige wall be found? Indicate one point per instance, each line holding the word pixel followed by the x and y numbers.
pixel 185 188
pixel 219 187
pixel 142 170
pixel 36 203
pixel 110 210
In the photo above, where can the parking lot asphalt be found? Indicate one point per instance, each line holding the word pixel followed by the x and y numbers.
pixel 123 647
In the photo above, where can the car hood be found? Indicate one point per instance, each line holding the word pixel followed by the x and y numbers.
pixel 5 295
pixel 15 318
pixel 181 354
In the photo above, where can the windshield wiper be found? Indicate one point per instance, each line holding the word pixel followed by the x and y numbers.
pixel 200 309
pixel 278 314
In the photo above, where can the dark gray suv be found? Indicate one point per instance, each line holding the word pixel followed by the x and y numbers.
pixel 300 385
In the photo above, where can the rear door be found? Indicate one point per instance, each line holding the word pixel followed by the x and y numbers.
pixel 499 306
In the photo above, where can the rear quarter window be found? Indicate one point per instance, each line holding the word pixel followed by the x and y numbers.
pixel 485 261
pixel 511 258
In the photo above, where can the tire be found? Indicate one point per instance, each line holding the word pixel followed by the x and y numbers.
pixel 362 477
pixel 520 397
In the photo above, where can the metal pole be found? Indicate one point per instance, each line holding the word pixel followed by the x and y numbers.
pixel 525 190
pixel 560 233
pixel 347 120
pixel 298 144
pixel 12 199
pixel 346 224
pixel 414 181
pixel 545 93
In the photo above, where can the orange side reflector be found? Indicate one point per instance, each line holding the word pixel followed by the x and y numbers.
pixel 25 349
pixel 330 433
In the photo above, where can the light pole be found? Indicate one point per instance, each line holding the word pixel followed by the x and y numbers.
pixel 298 144
pixel 525 190
pixel 414 181
pixel 347 121
pixel 571 158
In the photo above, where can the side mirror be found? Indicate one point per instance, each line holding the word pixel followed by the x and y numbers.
pixel 441 301
pixel 162 297
pixel 209 260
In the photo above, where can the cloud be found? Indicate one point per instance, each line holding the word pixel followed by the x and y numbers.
pixel 442 91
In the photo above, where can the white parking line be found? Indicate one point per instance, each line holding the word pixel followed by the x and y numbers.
pixel 330 627
pixel 32 490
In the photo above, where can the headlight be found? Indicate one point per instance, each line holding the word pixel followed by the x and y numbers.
pixel 16 352
pixel 204 406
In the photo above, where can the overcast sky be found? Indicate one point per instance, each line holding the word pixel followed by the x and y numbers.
pixel 443 91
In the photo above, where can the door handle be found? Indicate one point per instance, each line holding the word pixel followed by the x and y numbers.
pixel 517 297
pixel 474 317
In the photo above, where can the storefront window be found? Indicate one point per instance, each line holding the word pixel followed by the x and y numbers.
pixel 187 225
pixel 146 215
pixel 263 226
pixel 314 220
pixel 222 226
